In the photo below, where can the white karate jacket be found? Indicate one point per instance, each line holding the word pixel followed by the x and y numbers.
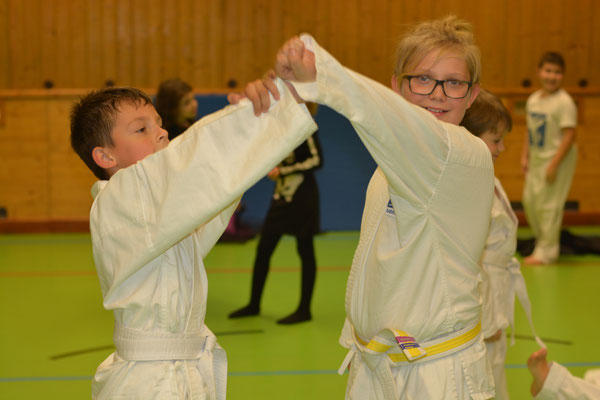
pixel 424 226
pixel 153 223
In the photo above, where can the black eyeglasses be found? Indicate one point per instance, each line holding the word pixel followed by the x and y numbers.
pixel 424 85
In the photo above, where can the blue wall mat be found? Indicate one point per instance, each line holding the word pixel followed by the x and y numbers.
pixel 343 179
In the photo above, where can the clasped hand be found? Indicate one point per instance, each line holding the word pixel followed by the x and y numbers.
pixel 294 63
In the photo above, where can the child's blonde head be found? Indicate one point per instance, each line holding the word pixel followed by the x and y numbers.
pixel 448 34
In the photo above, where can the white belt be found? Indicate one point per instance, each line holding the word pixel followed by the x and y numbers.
pixel 138 345
pixel 518 284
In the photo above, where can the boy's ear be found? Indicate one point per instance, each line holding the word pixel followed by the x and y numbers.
pixel 103 158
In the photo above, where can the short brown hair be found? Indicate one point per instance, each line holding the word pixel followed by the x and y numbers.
pixel 448 33
pixel 92 120
pixel 487 113
pixel 552 57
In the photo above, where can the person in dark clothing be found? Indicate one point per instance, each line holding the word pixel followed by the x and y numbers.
pixel 177 106
pixel 294 210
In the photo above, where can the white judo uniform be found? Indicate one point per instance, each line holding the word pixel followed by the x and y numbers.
pixel 501 281
pixel 561 385
pixel 544 203
pixel 415 274
pixel 153 223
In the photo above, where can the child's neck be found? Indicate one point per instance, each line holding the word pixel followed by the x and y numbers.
pixel 546 92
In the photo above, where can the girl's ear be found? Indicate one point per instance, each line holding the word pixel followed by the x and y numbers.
pixel 474 94
pixel 103 157
pixel 396 84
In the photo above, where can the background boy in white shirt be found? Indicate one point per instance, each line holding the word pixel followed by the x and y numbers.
pixel 548 158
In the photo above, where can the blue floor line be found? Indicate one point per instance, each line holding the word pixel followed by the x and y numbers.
pixel 255 373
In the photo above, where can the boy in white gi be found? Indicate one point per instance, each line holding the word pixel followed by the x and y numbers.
pixel 548 158
pixel 554 382
pixel 157 212
pixel 415 275
pixel 489 120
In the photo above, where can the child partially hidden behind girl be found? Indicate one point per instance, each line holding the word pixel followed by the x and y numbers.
pixel 489 119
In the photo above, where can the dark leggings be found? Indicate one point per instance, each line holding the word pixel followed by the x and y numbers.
pixel 266 247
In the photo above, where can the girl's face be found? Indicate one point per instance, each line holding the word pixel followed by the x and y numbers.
pixel 447 65
pixel 188 107
pixel 494 142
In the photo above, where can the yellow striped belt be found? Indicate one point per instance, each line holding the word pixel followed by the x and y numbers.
pixel 403 348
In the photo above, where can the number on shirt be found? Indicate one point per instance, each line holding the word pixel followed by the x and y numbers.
pixel 537 136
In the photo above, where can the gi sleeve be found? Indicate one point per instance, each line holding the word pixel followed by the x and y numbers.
pixel 561 385
pixel 210 233
pixel 407 142
pixel 146 208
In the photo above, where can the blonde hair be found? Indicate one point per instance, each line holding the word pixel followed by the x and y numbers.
pixel 448 33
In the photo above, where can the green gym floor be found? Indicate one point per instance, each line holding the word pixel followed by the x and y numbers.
pixel 55 332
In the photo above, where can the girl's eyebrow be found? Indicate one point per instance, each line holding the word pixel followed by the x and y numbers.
pixel 450 76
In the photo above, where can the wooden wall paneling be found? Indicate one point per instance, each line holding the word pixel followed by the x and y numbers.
pixel 79 45
pixel 124 43
pixel 17 40
pixel 140 44
pixel 170 41
pixel 322 22
pixel 5 67
pixel 592 76
pixel 216 54
pixel 24 155
pixel 185 39
pixel 524 41
pixel 259 55
pixel 334 42
pixel 373 44
pixel 276 34
pixel 49 63
pixel 94 39
pixel 231 34
pixel 109 42
pixel 354 35
pixel 200 40
pixel 154 57
pixel 490 33
pixel 62 49
pixel 255 66
pixel 549 31
pixel 69 179
pixel 32 35
pixel 575 38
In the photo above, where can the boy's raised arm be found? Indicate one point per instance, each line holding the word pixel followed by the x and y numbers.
pixel 148 207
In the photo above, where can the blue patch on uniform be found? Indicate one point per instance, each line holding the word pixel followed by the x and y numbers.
pixel 390 208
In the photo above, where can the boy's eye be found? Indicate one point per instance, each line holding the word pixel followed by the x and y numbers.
pixel 141 130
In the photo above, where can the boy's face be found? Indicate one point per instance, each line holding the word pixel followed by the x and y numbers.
pixel 494 142
pixel 449 65
pixel 137 133
pixel 551 76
